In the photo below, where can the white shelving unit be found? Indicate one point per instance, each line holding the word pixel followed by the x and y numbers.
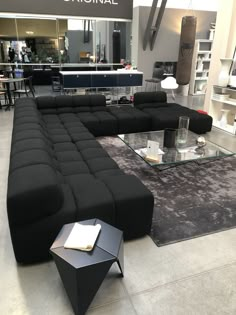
pixel 223 98
pixel 200 66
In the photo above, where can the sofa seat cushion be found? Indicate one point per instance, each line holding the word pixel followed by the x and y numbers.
pixel 99 122
pixel 85 144
pixel 57 131
pixel 69 118
pixel 74 167
pixel 101 164
pixel 93 198
pixel 89 120
pixel 68 156
pixel 107 173
pixel 107 124
pixel 134 204
pixel 76 124
pixel 66 109
pixel 64 146
pixel 80 136
pixel 48 111
pixel 76 129
pixel 92 153
pixel 130 119
pixel 51 119
pixel 60 138
pixel 54 125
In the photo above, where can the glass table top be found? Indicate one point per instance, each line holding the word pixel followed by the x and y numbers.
pixel 188 151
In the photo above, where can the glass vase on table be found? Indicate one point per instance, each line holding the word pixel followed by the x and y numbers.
pixel 182 132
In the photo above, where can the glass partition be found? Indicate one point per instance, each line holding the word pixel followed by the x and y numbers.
pixel 41 44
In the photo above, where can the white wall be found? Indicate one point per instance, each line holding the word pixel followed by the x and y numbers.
pixel 167 42
pixel 206 5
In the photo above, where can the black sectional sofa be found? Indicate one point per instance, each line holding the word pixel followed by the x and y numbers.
pixel 59 173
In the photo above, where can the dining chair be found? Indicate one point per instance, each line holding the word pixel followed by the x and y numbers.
pixel 3 92
pixel 154 82
pixel 25 88
pixel 5 98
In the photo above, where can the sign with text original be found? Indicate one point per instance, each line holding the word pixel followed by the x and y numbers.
pixel 113 9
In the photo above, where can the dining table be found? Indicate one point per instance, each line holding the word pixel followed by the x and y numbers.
pixel 7 82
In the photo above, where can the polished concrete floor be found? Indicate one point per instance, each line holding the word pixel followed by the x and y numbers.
pixel 194 277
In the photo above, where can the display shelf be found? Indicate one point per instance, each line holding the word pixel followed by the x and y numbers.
pixel 233 103
pixel 197 84
pixel 200 52
pixel 202 71
pixel 201 78
pixel 229 128
pixel 223 99
pixel 199 93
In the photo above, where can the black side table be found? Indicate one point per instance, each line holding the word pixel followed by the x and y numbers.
pixel 82 272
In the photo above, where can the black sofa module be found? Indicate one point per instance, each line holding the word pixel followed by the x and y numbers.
pixel 60 174
pixel 166 115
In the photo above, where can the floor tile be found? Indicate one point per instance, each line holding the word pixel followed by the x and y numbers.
pixel 147 265
pixel 211 293
pixel 123 307
pixel 206 252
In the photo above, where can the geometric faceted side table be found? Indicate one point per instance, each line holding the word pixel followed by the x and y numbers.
pixel 82 272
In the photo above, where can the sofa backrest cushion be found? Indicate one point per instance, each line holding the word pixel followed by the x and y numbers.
pixel 151 105
pixel 89 100
pixel 33 193
pixel 44 102
pixel 149 97
pixel 97 100
pixel 67 103
pixel 63 101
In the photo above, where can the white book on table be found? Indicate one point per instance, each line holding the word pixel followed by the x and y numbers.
pixel 83 237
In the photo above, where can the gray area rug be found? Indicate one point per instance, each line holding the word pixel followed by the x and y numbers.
pixel 191 200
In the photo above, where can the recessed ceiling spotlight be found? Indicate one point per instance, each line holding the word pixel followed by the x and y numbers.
pixel 29 32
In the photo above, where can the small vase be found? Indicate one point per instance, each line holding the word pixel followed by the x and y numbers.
pixel 223 78
pixel 224 120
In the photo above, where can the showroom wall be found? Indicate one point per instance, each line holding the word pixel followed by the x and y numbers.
pixel 167 43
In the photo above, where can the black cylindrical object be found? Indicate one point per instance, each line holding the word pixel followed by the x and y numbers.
pixel 169 138
pixel 116 46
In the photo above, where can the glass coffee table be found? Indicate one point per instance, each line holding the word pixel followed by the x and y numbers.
pixel 173 156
